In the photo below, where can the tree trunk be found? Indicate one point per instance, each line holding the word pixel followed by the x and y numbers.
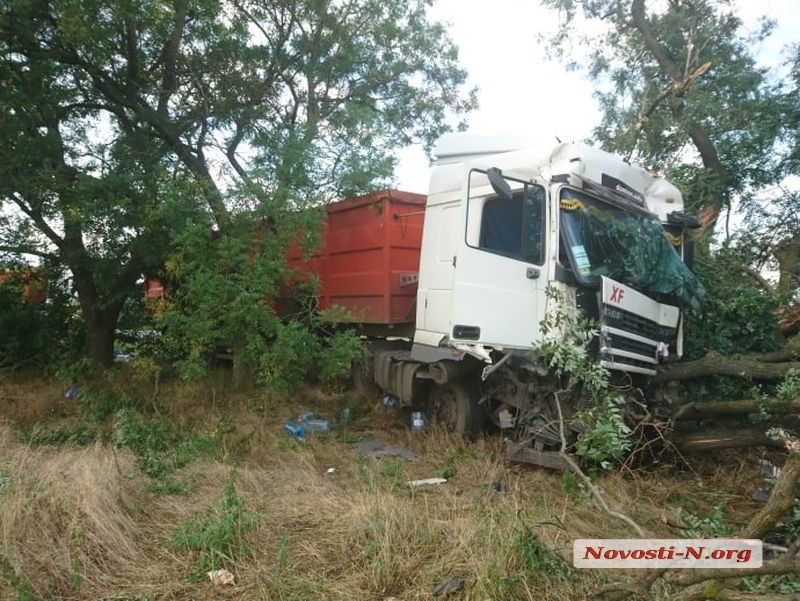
pixel 722 439
pixel 244 372
pixel 736 408
pixel 101 326
pixel 714 364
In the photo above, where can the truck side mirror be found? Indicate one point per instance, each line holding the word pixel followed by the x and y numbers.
pixel 499 183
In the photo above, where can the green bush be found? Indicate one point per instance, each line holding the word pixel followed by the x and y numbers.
pixel 159 448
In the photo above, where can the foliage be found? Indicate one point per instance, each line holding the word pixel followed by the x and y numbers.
pixel 80 434
pixel 127 124
pixel 681 91
pixel 340 351
pixel 739 316
pixel 35 334
pixel 219 538
pixel 229 294
pixel 539 560
pixel 714 525
pixel 565 350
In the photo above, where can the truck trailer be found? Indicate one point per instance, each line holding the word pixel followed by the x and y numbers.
pixel 451 288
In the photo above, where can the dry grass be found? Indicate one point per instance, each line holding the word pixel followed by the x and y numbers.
pixel 79 523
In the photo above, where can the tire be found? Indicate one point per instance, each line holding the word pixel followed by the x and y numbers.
pixel 455 406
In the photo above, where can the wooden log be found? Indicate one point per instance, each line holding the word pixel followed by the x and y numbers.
pixel 736 408
pixel 714 364
pixel 722 439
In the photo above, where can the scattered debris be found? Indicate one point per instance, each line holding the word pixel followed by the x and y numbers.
pixel 426 481
pixel 449 585
pixel 392 402
pixel 220 577
pixel 377 448
pixel 294 429
pixel 761 495
pixel 769 469
pixel 72 393
pixel 330 471
pixel 498 487
pixel 418 421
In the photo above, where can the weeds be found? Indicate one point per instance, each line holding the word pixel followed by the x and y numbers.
pixel 538 559
pixel 393 469
pixel 20 584
pixel 363 474
pixel 97 403
pixel 714 525
pixel 219 539
pixel 159 449
pixel 79 434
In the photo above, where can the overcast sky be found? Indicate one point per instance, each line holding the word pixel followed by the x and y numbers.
pixel 521 92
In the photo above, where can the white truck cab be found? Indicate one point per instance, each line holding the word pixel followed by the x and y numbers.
pixel 487 260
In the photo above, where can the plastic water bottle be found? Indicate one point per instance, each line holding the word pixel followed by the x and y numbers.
pixel 320 426
pixel 391 401
pixel 418 421
pixel 294 429
pixel 304 417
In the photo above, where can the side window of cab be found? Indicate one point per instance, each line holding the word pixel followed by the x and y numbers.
pixel 515 226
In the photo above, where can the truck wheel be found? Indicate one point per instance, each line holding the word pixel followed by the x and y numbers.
pixel 455 406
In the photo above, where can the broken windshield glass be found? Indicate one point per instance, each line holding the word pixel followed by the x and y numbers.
pixel 630 247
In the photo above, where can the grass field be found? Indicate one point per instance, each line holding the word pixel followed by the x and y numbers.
pixel 126 493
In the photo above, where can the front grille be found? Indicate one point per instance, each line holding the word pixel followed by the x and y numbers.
pixel 636 324
pixel 618 342
pixel 630 342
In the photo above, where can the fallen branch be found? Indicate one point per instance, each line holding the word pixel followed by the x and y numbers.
pixel 591 486
pixel 735 408
pixel 714 364
pixel 779 566
pixel 722 439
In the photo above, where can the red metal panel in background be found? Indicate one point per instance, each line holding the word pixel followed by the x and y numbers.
pixel 369 261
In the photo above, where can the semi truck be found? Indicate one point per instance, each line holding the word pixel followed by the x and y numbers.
pixel 451 288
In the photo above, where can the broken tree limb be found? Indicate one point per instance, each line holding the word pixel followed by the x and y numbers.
pixel 711 591
pixel 781 499
pixel 714 364
pixel 722 439
pixel 735 408
pixel 788 565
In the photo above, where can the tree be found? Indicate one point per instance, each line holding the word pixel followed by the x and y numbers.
pixel 681 92
pixel 130 120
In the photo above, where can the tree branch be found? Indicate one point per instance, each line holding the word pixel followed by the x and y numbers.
pixel 722 365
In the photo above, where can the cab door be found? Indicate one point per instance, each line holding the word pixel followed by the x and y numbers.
pixel 500 275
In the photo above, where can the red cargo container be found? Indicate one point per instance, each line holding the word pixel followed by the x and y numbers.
pixel 368 263
pixel 31 281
